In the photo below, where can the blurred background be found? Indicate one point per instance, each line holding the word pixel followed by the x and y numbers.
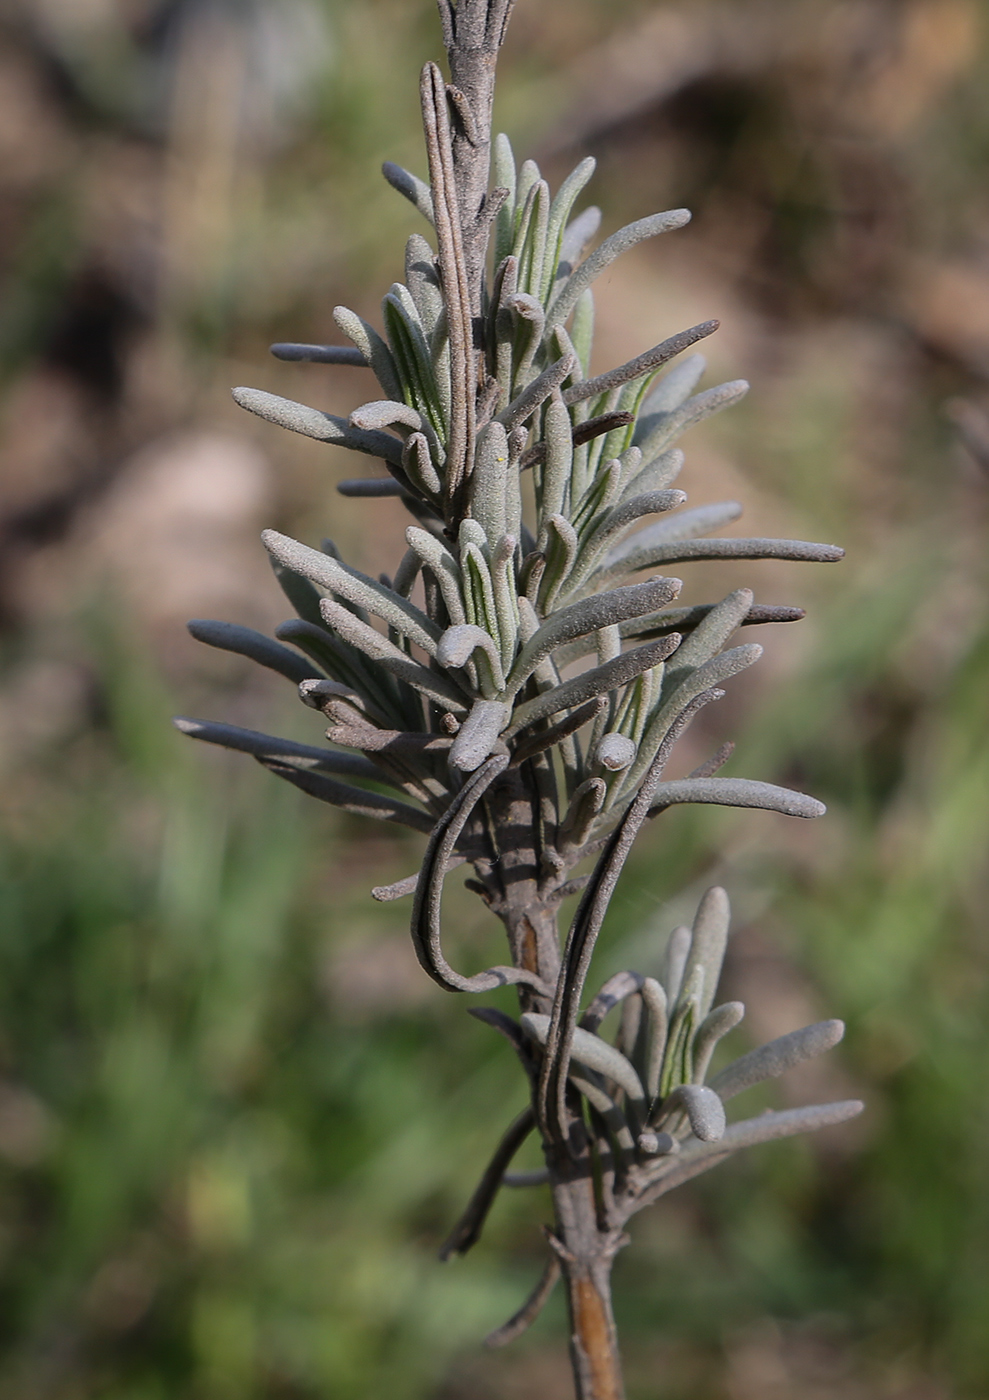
pixel 236 1120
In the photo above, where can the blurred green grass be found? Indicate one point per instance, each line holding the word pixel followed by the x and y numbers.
pixel 234 1126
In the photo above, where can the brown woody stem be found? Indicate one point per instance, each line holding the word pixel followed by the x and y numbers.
pixel 586 1252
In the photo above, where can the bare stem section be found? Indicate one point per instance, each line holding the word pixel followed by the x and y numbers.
pixel 519 683
pixel 586 1252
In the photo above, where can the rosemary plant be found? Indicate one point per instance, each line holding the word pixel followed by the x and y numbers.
pixel 509 694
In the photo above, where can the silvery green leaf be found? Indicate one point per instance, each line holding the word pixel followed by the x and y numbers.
pixel 705 1111
pixel 578 234
pixel 641 548
pixel 598 681
pixel 530 320
pixel 370 487
pixel 318 354
pixel 528 177
pixel 416 191
pixel 597 499
pixel 618 519
pixel 612 248
pixel 478 734
pixel 677 1065
pixel 632 712
pixel 559 457
pixel 675 387
pixel 709 636
pixel 687 619
pixel 628 1028
pixel 350 799
pixel 525 404
pixel 458 644
pixel 643 364
pixel 299 591
pixel 316 695
pixel 615 990
pixel 615 752
pixel 709 939
pixel 578 821
pixel 738 792
pixel 527 194
pixel 444 567
pixel 372 347
pixel 560 551
pixel 587 616
pixel 472 533
pixel 652 1144
pixel 380 650
pixel 478 589
pixel 355 587
pixel 674 961
pixel 774 1059
pixel 599 1098
pixel 501 324
pixel 487 482
pixel 592 1052
pixel 657 1006
pixel 227 636
pixel 422 280
pixel 417 463
pixel 387 413
pixel 344 663
pixel 669 427
pixel 683 551
pixel 657 476
pixel 541 739
pixel 769 1126
pixel 313 423
pixel 386 894
pixel 582 329
pixel 712 673
pixel 413 359
pixel 595 449
pixel 697 1157
pixel 231 736
pixel 714 1027
pixel 532 252
pixel 503 170
pixel 504 588
pixel 563 202
pixel 631 463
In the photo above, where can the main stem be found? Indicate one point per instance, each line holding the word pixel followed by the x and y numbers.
pixel 585 1245
pixel 586 1253
pixel 473 32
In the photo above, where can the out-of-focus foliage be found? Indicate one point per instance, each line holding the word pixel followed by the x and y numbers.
pixel 235 1119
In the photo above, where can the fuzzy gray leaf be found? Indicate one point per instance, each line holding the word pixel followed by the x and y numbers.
pixel 416 191
pixel 643 364
pixel 737 792
pixel 592 1052
pixel 612 248
pixel 705 1111
pixel 348 798
pixel 770 1061
pixel 244 641
pixel 313 423
pixel 231 736
pixel 478 734
pixel 318 354
pixel 599 681
pixel 590 615
pixel 355 587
